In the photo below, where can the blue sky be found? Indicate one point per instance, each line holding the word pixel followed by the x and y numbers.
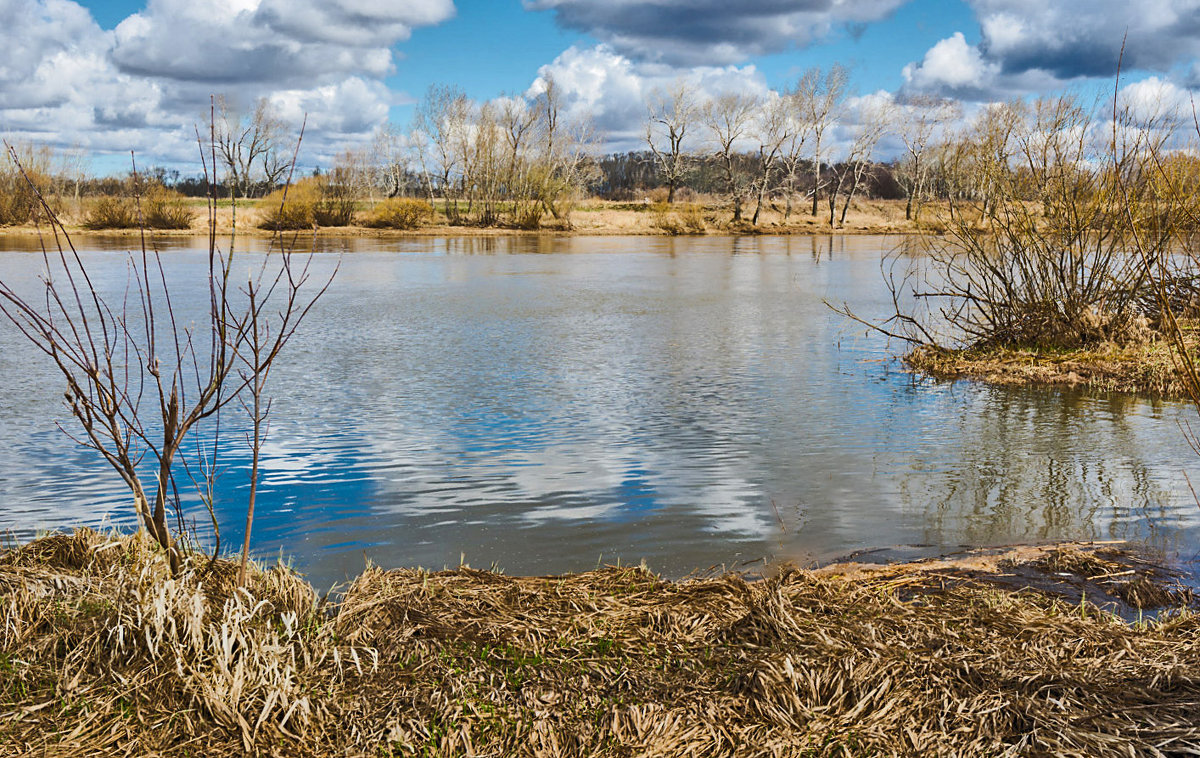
pixel 109 75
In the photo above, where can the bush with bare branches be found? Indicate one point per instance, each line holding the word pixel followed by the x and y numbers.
pixel 1041 247
pixel 400 213
pixel 140 381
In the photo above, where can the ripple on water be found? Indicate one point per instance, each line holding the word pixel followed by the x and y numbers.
pixel 545 404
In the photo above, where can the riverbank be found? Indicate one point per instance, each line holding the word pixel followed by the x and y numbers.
pixel 103 653
pixel 1145 368
pixel 594 217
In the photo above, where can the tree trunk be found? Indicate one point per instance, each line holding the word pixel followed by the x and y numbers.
pixel 762 192
pixel 816 177
pixel 849 197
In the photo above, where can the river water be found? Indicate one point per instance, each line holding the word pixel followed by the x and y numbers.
pixel 548 404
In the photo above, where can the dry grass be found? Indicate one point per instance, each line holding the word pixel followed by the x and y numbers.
pixel 400 213
pixel 681 218
pixel 595 217
pixel 1145 367
pixel 102 653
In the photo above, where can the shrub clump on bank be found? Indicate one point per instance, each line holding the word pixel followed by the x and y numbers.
pixel 103 652
pixel 309 203
pixel 682 218
pixel 166 209
pixel 400 213
pixel 161 208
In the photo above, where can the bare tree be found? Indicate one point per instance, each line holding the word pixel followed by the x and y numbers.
pixel 438 121
pixel 389 159
pixel 671 115
pixel 980 161
pixel 874 119
pixel 487 166
pixel 791 153
pixel 773 128
pixel 728 118
pixel 819 97
pixel 563 166
pixel 517 122
pixel 354 170
pixel 250 145
pixel 919 121
pixel 422 148
pixel 139 379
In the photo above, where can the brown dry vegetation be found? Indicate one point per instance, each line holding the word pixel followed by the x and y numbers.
pixel 595 217
pixel 103 652
pixel 1146 367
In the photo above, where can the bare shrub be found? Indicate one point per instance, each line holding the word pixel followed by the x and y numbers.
pixel 312 202
pixel 658 196
pixel 164 208
pixel 140 382
pixel 335 204
pixel 528 216
pixel 679 218
pixel 400 213
pixel 19 203
pixel 290 209
pixel 1040 249
pixel 111 212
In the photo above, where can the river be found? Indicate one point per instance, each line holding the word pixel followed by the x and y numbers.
pixel 549 404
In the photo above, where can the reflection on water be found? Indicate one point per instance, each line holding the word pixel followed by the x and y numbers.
pixel 543 404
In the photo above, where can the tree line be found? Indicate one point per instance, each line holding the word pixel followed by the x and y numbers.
pixel 517 160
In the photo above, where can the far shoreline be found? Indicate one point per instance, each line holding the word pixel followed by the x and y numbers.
pixel 595 218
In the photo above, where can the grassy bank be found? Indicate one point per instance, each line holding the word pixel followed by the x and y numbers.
pixel 1144 367
pixel 594 217
pixel 102 652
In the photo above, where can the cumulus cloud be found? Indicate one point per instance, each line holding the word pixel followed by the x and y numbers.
pixel 58 84
pixel 144 84
pixel 951 66
pixel 710 32
pixel 46 45
pixel 271 41
pixel 612 89
pixel 1028 45
pixel 1082 38
pixel 1158 103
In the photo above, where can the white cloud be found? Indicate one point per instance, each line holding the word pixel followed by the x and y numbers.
pixel 143 85
pixel 951 65
pixel 613 89
pixel 268 41
pixel 1034 45
pixel 1158 102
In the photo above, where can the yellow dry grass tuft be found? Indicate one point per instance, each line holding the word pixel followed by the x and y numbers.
pixel 103 653
pixel 1144 367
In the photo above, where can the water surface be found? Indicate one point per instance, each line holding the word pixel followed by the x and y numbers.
pixel 548 404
